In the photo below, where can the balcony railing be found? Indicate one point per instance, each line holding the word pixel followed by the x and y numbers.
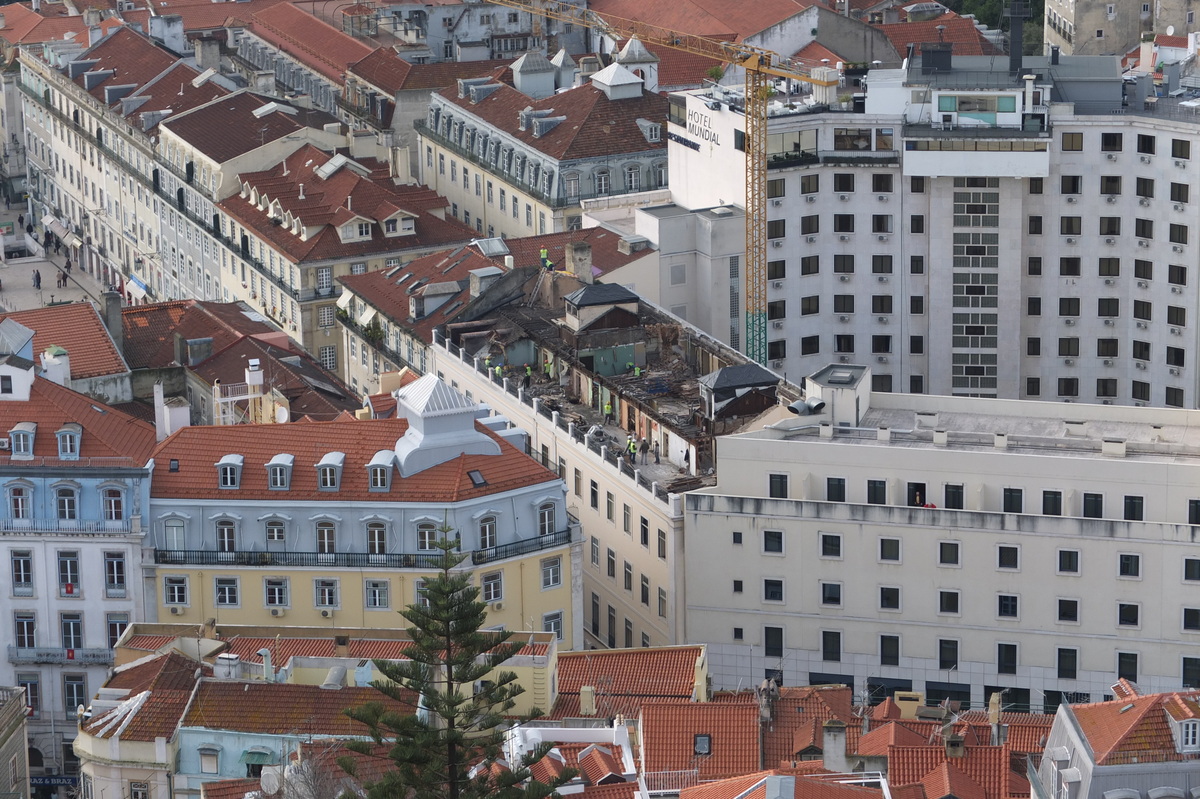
pixel 671 781
pixel 50 654
pixel 523 547
pixel 63 526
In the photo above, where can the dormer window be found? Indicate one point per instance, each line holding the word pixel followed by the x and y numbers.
pixel 379 477
pixel 390 226
pixel 364 229
pixel 329 471
pixel 229 471
pixel 1189 735
pixel 68 441
pixel 21 439
pixel 279 472
pixel 379 470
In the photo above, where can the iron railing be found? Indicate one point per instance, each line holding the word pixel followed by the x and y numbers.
pixel 52 654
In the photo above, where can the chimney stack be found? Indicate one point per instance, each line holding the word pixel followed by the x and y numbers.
pixel 112 319
pixel 833 746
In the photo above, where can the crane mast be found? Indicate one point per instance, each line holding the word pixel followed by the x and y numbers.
pixel 759 65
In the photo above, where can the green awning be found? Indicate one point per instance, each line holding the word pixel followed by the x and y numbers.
pixel 255 758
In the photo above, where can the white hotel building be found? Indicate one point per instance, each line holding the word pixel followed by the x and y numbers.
pixel 971 230
pixel 952 546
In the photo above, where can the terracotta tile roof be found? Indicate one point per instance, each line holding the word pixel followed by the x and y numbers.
pixel 600 764
pixel 624 679
pixel 388 290
pixel 309 40
pixel 150 329
pixel 368 767
pixel 948 781
pixel 572 751
pixel 159 692
pixel 310 390
pixel 668 731
pixel 770 783
pixel 704 17
pixel 959 31
pixel 989 767
pixel 324 205
pixel 914 791
pixel 594 126
pixel 198 448
pixel 107 433
pixel 606 255
pixel 229 789
pixel 209 16
pixel 281 708
pixel 679 70
pixel 23 25
pixel 149 643
pixel 172 91
pixel 548 768
pixel 136 61
pixel 1026 731
pixel 616 790
pixel 877 741
pixel 797 717
pixel 226 128
pixel 78 329
pixel 385 70
pixel 814 53
pixel 1123 729
pixel 1163 40
pixel 723 789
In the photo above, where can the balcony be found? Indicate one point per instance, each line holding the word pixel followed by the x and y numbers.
pixel 524 547
pixel 64 526
pixel 50 654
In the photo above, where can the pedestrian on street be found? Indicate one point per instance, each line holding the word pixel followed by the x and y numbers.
pixel 37 279
pixel 20 220
pixel 7 203
pixel 656 460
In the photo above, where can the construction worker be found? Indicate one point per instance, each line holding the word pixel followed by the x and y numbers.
pixel 632 450
pixel 545 258
pixel 528 376
pixel 608 417
pixel 549 370
pixel 487 363
pixel 637 372
pixel 499 372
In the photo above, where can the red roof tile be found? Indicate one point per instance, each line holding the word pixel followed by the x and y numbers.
pixel 159 691
pixel 210 16
pixel 312 41
pixel 625 678
pixel 814 54
pixel 229 789
pixel 948 780
pixel 605 244
pixel 149 643
pixel 703 17
pixel 615 790
pixel 988 766
pixel 797 716
pixel 282 708
pixel 959 31
pixel 227 127
pixel 600 765
pixel 385 70
pixel 1163 40
pixel 78 329
pixel 150 329
pixel 594 126
pixel 668 733
pixel 199 448
pixel 107 433
pixel 1124 729
pixel 877 741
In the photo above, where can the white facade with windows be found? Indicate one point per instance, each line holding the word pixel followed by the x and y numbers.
pixel 950 546
pixel 971 234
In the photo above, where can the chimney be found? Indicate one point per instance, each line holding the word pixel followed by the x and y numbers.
pixel 112 319
pixel 579 260
pixel 587 700
pixel 264 82
pixel 268 669
pixel 198 350
pixel 301 191
pixel 833 746
pixel 208 53
pixel 954 746
pixel 170 415
pixel 91 17
pixel 1054 55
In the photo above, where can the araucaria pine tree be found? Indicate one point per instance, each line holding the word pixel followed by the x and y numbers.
pixel 451 745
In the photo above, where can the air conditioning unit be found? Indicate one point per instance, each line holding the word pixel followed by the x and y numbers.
pixel 883 278
pixel 844 358
pixel 176 610
pixel 1143 243
pixel 882 359
pixel 277 612
pixel 1139 365
pixel 1110 199
pixel 1139 405
pixel 1177 248
pixel 1068 321
pixel 1072 199
pixel 1142 284
pixel 883 198
pixel 497 606
pixel 883 237
pixel 778 284
pixel 1141 325
pixel 843 197
pixel 1144 202
pixel 812 198
pixel 777 242
pixel 326 613
pixel 1181 164
pixel 812 239
pixel 1177 206
pixel 1110 241
pixel 1109 322
pixel 1068 361
pixel 1176 290
pixel 1108 361
pixel 1108 281
pixel 844 278
pixel 777 325
pixel 881 319
pixel 1070 240
pixel 843 318
pixel 1145 159
pixel 1112 156
pixel 1176 331
pixel 844 238
pixel 1106 402
pixel 1174 371
pixel 4 443
pixel 776 203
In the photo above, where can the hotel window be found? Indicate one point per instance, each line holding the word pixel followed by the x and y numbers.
pixel 67 504
pixel 551 572
pixel 492 587
pixel 377 594
pixel 546 520
pixel 326 538
pixel 426 537
pixel 227 591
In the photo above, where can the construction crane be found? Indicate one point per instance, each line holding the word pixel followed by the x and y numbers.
pixel 760 66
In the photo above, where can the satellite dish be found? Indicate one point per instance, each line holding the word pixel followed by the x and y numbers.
pixel 1170 30
pixel 269 780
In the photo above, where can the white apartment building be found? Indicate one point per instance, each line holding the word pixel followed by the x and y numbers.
pixel 953 546
pixel 975 232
